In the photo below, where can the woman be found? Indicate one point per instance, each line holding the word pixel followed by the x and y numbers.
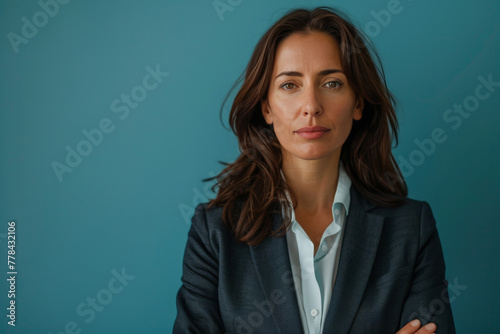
pixel 311 230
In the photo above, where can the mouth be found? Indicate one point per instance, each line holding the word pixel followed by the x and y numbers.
pixel 312 132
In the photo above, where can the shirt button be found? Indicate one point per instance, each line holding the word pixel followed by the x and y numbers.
pixel 314 312
pixel 337 212
pixel 324 248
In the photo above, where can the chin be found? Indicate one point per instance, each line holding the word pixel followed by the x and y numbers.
pixel 312 152
pixel 314 155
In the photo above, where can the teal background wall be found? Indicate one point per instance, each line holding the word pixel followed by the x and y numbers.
pixel 99 247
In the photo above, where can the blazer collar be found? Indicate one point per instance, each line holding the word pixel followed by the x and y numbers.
pixel 359 246
pixel 274 272
pixel 362 234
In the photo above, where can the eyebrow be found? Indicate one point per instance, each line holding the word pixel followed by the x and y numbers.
pixel 298 74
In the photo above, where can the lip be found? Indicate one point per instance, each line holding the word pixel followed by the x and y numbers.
pixel 312 132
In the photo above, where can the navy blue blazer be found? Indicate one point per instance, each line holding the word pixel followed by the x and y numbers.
pixel 391 271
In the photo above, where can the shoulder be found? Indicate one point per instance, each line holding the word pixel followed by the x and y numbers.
pixel 413 221
pixel 203 213
pixel 414 216
pixel 208 225
pixel 410 208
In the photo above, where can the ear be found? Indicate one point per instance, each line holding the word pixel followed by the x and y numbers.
pixel 358 109
pixel 266 111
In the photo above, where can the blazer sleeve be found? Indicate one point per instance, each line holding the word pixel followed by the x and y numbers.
pixel 197 299
pixel 428 298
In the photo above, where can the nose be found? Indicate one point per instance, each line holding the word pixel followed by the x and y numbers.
pixel 311 104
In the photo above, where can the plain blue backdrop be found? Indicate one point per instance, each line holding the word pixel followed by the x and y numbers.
pixel 100 236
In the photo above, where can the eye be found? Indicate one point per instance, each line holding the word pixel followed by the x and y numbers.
pixel 334 84
pixel 287 86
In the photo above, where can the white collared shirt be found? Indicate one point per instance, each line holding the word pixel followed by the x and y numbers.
pixel 314 274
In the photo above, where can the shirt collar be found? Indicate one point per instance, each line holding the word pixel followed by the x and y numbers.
pixel 342 194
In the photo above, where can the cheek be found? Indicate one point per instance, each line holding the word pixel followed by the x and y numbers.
pixel 341 113
pixel 342 119
pixel 282 127
pixel 283 115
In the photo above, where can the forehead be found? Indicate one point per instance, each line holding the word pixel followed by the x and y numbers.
pixel 307 51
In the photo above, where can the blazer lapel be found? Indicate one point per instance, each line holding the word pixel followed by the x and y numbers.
pixel 359 246
pixel 274 271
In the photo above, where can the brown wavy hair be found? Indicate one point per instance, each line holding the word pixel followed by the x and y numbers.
pixel 251 188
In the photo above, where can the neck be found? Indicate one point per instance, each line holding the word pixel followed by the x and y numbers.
pixel 314 182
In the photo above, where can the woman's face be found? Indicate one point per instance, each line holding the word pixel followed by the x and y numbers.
pixel 310 102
